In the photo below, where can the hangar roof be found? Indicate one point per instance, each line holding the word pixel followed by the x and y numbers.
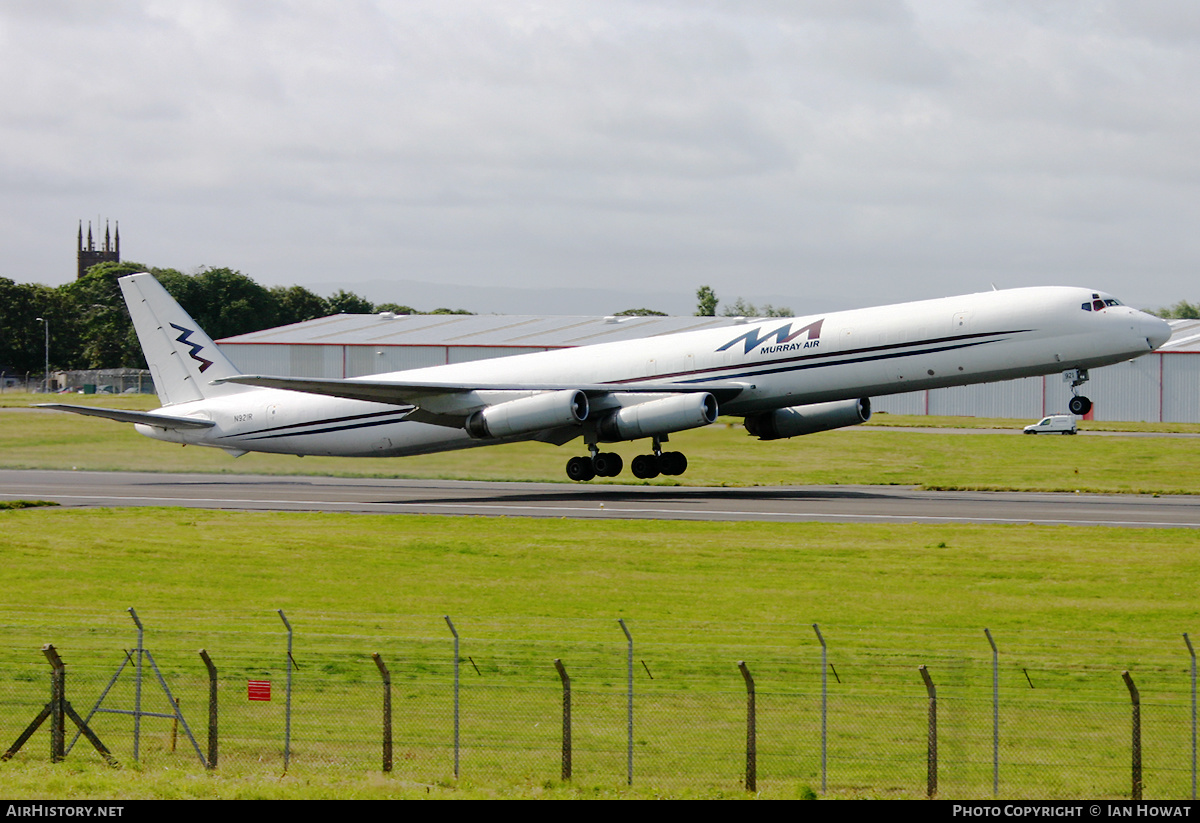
pixel 527 331
pixel 1185 336
pixel 496 330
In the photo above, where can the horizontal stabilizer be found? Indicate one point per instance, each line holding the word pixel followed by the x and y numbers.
pixel 160 421
pixel 398 393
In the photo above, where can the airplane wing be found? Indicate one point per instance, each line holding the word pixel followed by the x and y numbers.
pixel 413 394
pixel 161 421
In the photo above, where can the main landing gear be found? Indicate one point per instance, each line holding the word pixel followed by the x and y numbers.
pixel 646 466
pixel 609 464
pixel 1078 405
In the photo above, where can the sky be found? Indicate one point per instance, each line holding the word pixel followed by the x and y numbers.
pixel 585 157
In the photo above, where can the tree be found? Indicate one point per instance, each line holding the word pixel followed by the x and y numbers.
pixel 295 304
pixel 740 308
pixel 770 311
pixel 225 302
pixel 106 336
pixel 22 335
pixel 706 305
pixel 744 308
pixel 396 308
pixel 347 302
pixel 640 313
pixel 1183 310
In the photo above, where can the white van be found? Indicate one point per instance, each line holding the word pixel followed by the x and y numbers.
pixel 1054 424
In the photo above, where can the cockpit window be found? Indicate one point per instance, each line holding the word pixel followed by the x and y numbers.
pixel 1099 304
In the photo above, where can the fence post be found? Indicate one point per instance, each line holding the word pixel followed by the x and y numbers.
pixel 212 709
pixel 629 712
pixel 454 632
pixel 287 725
pixel 1192 652
pixel 566 719
pixel 137 689
pixel 1136 754
pixel 824 705
pixel 58 691
pixel 995 715
pixel 751 739
pixel 931 752
pixel 387 711
pixel 59 710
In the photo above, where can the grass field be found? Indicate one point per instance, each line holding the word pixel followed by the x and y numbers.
pixel 1069 608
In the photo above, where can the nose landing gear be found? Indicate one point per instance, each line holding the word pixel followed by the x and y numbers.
pixel 1078 405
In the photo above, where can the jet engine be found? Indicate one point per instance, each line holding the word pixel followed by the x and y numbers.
pixel 818 417
pixel 549 410
pixel 656 417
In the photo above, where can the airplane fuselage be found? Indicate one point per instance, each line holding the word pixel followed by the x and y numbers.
pixel 776 362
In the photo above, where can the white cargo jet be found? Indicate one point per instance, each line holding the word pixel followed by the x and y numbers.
pixel 785 377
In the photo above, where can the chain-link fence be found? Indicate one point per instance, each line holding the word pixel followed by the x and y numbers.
pixel 91 381
pixel 859 727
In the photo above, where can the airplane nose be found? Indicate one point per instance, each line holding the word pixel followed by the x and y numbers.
pixel 1157 330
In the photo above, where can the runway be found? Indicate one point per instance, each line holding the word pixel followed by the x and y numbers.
pixel 786 504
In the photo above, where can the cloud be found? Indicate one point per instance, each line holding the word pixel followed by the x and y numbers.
pixel 844 151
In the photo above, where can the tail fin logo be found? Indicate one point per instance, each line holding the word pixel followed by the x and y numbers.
pixel 196 348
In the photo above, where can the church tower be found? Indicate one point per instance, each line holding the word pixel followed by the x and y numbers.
pixel 89 255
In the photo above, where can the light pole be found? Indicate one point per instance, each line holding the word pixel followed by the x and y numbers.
pixel 46 373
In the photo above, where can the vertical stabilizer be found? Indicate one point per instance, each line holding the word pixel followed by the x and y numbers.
pixel 182 358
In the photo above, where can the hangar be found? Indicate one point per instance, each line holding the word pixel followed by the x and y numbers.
pixel 1160 387
pixel 353 345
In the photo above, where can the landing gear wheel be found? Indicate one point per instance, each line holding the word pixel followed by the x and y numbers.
pixel 645 466
pixel 580 469
pixel 1078 405
pixel 607 464
pixel 672 463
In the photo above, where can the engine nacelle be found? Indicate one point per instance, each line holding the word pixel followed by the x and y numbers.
pixel 550 410
pixel 818 417
pixel 655 417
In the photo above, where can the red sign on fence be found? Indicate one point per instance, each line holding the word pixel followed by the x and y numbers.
pixel 258 689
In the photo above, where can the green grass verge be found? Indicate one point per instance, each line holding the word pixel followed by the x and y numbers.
pixel 719 455
pixel 135 402
pixel 1069 608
